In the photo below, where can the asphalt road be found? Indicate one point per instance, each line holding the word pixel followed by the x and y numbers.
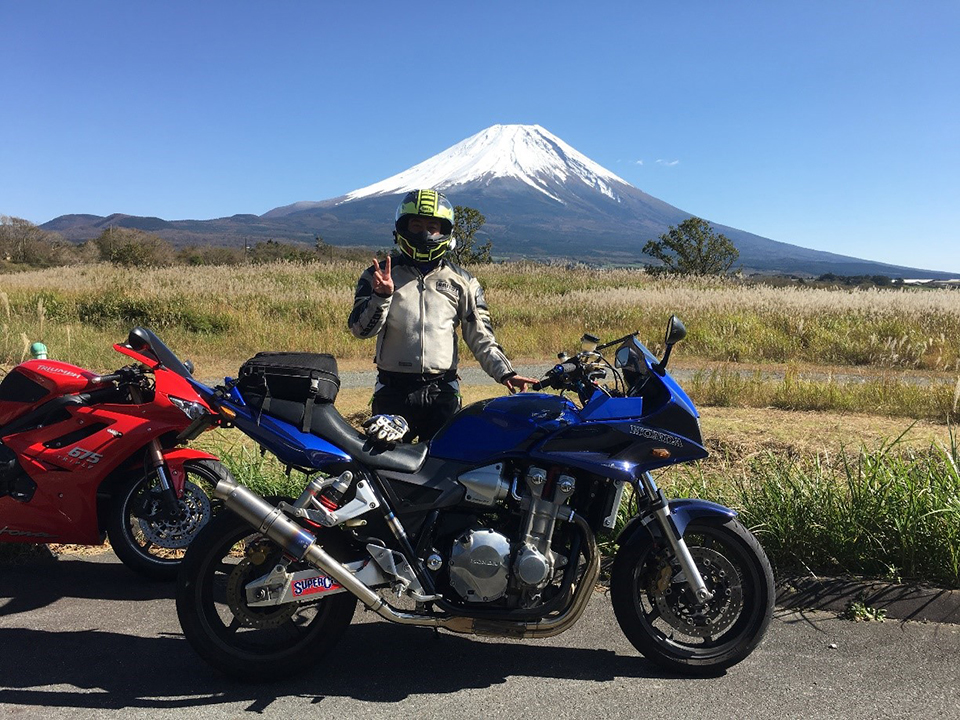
pixel 86 638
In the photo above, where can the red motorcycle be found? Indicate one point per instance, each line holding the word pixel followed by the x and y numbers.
pixel 84 456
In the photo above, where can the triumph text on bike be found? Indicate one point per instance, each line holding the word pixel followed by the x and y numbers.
pixel 488 529
pixel 84 455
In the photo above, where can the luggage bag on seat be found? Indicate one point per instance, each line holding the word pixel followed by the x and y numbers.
pixel 298 377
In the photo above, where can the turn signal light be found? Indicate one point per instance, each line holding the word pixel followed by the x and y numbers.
pixel 660 453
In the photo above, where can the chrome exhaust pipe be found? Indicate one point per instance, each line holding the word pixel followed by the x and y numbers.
pixel 295 540
pixel 302 545
pixel 266 518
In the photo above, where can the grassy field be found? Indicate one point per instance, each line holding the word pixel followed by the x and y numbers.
pixel 219 316
pixel 803 390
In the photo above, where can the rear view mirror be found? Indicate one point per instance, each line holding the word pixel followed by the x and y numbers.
pixel 675 331
pixel 138 339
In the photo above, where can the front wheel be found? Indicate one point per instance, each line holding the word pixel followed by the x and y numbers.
pixel 144 537
pixel 254 643
pixel 660 615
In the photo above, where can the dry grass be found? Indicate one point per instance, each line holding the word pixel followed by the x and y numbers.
pixel 225 314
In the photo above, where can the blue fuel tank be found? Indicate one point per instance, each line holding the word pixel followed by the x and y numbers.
pixel 491 428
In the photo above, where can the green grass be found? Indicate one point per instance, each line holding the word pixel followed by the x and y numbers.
pixel 886 512
pixel 888 394
pixel 261 472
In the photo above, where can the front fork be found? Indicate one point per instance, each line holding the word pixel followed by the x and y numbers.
pixel 168 494
pixel 170 505
pixel 661 510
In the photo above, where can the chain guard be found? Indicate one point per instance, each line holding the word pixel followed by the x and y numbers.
pixel 676 603
pixel 176 533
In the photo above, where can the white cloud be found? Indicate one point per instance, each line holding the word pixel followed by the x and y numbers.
pixel 668 163
pixel 639 162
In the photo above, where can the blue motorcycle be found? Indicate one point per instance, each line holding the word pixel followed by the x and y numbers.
pixel 489 529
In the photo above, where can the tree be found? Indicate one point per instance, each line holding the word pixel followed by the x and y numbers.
pixel 134 248
pixel 273 251
pixel 693 248
pixel 24 243
pixel 467 222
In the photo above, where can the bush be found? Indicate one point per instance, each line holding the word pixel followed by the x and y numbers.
pixel 116 308
pixel 129 247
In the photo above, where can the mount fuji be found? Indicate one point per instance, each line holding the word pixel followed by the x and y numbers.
pixel 541 199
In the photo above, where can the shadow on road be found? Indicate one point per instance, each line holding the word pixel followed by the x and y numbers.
pixel 374 662
pixel 38 583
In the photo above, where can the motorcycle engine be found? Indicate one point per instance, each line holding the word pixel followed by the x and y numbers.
pixel 480 565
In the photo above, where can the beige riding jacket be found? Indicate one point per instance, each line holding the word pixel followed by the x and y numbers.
pixel 416 327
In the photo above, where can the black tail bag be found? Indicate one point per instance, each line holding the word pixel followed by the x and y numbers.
pixel 305 378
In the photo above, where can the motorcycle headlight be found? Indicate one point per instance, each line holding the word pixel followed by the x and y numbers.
pixel 192 410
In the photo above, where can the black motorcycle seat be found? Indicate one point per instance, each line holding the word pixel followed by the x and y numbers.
pixel 327 422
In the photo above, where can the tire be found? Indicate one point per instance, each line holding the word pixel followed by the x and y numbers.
pixel 155 548
pixel 660 617
pixel 254 644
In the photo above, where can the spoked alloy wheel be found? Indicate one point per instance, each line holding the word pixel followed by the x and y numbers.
pixel 659 614
pixel 255 643
pixel 149 541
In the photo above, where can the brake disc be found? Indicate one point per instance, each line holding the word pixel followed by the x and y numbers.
pixel 177 533
pixel 678 607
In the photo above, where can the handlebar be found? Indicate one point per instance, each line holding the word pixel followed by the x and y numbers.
pixel 104 379
pixel 558 372
pixel 124 374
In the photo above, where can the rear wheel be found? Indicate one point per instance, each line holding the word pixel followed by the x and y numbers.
pixel 144 537
pixel 254 643
pixel 659 614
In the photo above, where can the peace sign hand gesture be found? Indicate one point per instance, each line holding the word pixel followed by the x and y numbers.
pixel 382 280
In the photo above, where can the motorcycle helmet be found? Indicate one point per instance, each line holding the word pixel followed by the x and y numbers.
pixel 424 246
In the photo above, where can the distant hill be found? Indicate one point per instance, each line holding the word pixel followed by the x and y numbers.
pixel 541 199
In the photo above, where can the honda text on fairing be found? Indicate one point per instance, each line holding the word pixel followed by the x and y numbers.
pixel 488 529
pixel 84 456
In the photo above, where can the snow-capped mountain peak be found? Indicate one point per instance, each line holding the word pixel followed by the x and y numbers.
pixel 527 153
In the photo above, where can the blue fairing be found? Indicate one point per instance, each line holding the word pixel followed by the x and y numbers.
pixel 604 407
pixel 678 395
pixel 287 442
pixel 611 435
pixel 493 428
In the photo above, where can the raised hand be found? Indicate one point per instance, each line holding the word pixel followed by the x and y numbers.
pixel 382 280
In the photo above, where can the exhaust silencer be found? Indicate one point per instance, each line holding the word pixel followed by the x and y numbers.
pixel 296 541
pixel 265 517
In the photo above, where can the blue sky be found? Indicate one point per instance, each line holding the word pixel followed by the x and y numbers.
pixel 831 125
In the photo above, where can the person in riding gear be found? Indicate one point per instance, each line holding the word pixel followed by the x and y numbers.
pixel 412 302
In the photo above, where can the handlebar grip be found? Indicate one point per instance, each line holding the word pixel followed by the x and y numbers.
pixel 104 379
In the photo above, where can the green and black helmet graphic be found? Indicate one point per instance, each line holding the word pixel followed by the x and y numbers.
pixel 423 246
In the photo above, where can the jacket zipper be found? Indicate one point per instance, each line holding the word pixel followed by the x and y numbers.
pixel 421 284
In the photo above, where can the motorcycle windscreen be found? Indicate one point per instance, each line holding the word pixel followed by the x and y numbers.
pixel 490 428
